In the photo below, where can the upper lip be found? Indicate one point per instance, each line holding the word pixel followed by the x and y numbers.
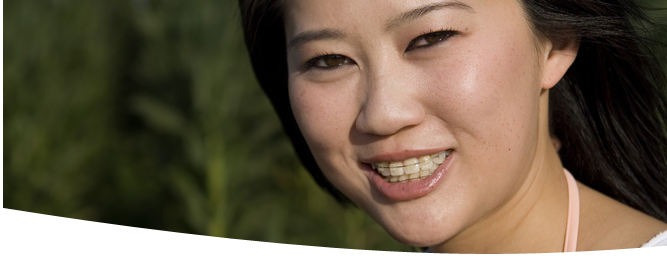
pixel 400 155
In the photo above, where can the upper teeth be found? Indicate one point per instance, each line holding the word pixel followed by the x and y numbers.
pixel 411 169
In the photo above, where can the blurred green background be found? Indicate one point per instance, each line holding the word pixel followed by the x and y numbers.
pixel 146 113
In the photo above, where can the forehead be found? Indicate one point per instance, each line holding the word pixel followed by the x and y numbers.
pixel 304 15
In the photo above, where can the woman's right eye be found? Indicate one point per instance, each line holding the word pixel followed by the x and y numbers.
pixel 327 62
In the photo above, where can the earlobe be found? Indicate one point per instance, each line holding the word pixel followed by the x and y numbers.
pixel 559 57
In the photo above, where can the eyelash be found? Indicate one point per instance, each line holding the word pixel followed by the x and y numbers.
pixel 443 34
pixel 313 62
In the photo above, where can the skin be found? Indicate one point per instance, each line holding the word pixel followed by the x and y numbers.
pixel 482 92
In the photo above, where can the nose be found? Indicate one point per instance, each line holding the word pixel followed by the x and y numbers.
pixel 391 102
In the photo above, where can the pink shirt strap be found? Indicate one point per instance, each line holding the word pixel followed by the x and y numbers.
pixel 572 227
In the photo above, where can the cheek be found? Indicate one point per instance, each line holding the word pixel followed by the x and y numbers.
pixel 488 96
pixel 324 113
pixel 489 87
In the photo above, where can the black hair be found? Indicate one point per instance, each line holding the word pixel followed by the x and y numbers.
pixel 609 110
pixel 264 33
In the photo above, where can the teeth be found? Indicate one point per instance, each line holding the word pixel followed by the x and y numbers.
pixel 438 158
pixel 384 171
pixel 411 169
pixel 425 162
pixel 382 168
pixel 411 166
pixel 396 169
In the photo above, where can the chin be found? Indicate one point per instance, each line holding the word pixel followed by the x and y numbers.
pixel 414 224
pixel 418 235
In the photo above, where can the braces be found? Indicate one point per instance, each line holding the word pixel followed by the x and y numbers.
pixel 439 154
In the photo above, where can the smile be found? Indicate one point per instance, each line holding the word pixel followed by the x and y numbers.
pixel 411 169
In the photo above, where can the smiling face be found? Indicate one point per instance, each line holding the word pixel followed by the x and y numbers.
pixel 390 83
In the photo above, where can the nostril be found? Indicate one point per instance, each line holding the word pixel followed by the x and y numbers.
pixel 385 118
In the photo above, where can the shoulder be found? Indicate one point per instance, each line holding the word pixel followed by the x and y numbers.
pixel 655 246
pixel 608 224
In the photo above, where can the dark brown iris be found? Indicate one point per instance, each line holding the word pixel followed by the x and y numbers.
pixel 433 38
pixel 334 60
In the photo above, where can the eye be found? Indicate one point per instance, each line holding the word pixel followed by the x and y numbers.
pixel 429 39
pixel 328 62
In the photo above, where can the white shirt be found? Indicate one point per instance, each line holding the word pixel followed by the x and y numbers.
pixel 655 246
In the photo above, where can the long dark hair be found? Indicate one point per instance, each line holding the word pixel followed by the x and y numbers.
pixel 609 111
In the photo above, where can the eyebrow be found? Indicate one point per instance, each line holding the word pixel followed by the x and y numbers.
pixel 308 36
pixel 421 11
pixel 325 34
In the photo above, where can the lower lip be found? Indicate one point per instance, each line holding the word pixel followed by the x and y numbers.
pixel 402 191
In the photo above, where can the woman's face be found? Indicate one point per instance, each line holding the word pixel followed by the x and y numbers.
pixel 377 86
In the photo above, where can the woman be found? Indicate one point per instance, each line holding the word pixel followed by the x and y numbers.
pixel 453 124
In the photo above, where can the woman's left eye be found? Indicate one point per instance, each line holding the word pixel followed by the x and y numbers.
pixel 429 39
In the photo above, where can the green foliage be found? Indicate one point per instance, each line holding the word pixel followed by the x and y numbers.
pixel 146 113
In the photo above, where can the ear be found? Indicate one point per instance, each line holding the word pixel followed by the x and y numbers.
pixel 558 56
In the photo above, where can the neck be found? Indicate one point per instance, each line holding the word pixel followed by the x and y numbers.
pixel 534 219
